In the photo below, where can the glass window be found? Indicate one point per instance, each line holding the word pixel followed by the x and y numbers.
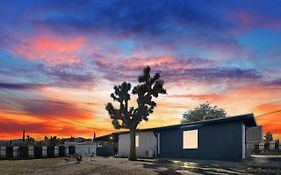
pixel 190 139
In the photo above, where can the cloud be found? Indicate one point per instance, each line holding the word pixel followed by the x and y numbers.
pixel 120 18
pixel 70 75
pixel 175 69
pixel 276 82
pixel 58 75
pixel 200 97
pixel 54 109
pixel 251 20
pixel 20 86
pixel 50 49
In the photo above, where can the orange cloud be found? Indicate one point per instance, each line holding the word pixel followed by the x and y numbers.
pixel 51 49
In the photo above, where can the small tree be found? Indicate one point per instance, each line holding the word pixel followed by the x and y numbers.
pixel 203 112
pixel 29 139
pixel 267 138
pixel 129 118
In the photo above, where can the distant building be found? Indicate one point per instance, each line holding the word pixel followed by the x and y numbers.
pixel 83 148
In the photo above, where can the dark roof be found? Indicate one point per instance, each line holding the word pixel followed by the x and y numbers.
pixel 109 137
pixel 248 119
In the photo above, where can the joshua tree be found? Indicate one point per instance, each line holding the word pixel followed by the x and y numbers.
pixel 129 118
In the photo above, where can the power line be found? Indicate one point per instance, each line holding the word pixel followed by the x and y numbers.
pixel 59 100
pixel 67 122
pixel 272 112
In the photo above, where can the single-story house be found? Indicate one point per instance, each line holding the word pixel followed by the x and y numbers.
pixel 217 139
pixel 83 148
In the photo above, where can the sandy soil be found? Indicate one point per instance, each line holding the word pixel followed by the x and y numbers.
pixel 121 166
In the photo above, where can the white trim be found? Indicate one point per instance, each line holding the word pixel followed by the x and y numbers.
pixel 243 141
pixel 137 140
pixel 158 143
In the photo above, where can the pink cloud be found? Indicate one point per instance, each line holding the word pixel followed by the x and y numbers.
pixel 51 49
pixel 251 21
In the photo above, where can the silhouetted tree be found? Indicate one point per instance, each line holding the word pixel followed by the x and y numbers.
pixel 129 118
pixel 54 140
pixel 29 140
pixel 267 138
pixel 203 112
pixel 46 139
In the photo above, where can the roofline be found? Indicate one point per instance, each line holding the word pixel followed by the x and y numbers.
pixel 229 118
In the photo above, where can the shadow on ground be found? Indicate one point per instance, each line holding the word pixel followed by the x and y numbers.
pixel 177 167
pixel 162 167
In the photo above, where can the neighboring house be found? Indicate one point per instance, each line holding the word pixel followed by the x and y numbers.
pixel 107 145
pixel 217 139
pixel 83 148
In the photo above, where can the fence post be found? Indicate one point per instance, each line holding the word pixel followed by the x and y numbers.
pixel 31 151
pixel 15 152
pixel 66 150
pixel 3 152
pixel 56 151
pixel 261 146
pixel 272 145
pixel 44 151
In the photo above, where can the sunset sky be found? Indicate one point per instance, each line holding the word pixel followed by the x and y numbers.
pixel 59 61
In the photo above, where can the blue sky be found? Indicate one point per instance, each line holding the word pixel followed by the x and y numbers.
pixel 69 54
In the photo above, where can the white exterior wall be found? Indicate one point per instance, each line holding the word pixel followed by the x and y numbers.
pixel 85 149
pixel 147 143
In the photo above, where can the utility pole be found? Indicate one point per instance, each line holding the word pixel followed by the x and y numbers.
pixel 23 135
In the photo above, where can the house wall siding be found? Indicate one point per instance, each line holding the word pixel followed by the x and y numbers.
pixel 147 142
pixel 220 141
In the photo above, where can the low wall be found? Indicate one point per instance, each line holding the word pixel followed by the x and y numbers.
pixel 30 152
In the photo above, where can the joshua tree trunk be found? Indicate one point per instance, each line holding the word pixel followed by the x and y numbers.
pixel 126 117
pixel 133 156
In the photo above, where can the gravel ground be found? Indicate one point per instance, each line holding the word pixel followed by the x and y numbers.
pixel 121 166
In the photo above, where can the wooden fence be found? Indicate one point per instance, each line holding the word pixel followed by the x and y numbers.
pixel 31 152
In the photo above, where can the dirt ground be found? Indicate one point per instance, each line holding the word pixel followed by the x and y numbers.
pixel 121 166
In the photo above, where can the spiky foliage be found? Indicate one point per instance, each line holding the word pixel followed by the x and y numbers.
pixel 148 87
pixel 129 117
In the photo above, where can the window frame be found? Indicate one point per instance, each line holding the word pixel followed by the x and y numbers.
pixel 186 133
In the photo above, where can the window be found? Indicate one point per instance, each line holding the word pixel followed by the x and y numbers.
pixel 190 139
pixel 137 140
